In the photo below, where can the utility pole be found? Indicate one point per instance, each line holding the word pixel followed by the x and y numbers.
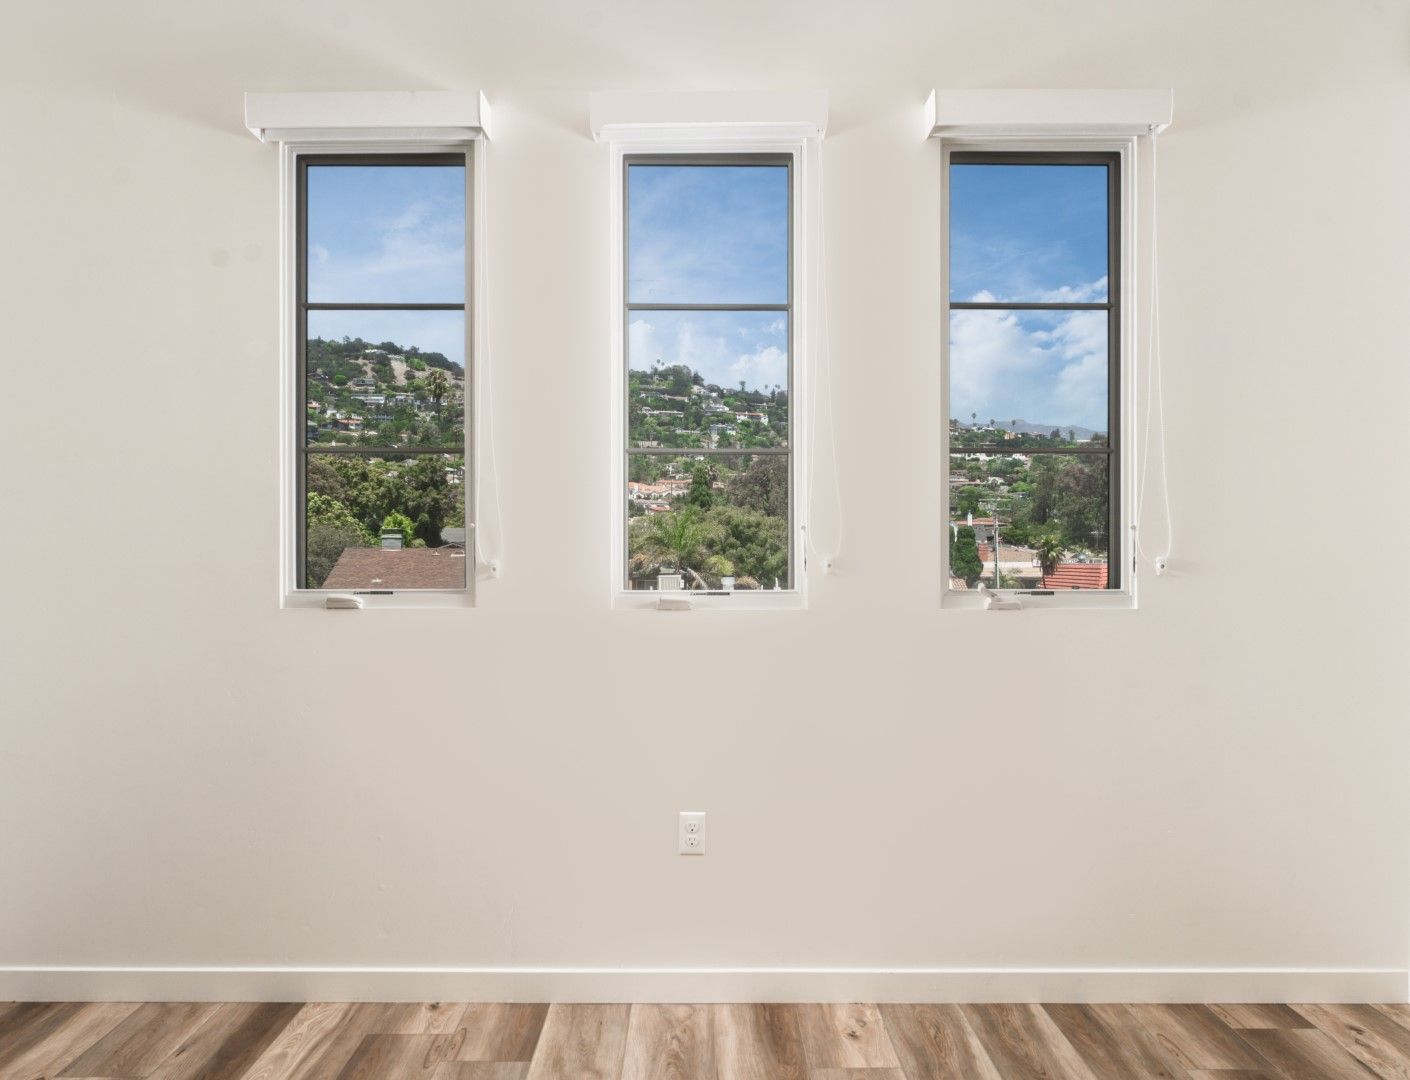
pixel 993 508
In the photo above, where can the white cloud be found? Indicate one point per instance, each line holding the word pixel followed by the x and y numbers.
pixel 1047 368
pixel 765 368
pixel 1091 292
pixel 718 346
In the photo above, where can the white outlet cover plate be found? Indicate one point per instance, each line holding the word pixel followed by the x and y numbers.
pixel 690 833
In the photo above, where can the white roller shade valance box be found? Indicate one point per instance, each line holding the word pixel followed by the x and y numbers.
pixel 1047 112
pixel 410 115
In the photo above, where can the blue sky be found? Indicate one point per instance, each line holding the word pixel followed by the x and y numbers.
pixel 1035 233
pixel 709 234
pixel 379 233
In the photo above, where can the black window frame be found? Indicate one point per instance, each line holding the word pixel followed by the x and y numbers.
pixel 1112 160
pixel 302 306
pixel 724 159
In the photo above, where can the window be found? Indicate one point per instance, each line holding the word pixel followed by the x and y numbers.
pixel 708 380
pixel 1034 370
pixel 381 342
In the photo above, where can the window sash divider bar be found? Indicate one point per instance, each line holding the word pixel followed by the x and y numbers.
pixel 1018 305
pixel 1009 451
pixel 332 305
pixel 634 306
pixel 710 451
pixel 384 451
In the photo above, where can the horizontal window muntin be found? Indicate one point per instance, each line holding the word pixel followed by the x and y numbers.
pixel 753 423
pixel 974 442
pixel 406 532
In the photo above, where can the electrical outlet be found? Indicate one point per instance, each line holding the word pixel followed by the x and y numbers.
pixel 690 833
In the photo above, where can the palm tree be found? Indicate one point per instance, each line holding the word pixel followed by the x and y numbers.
pixel 437 384
pixel 680 538
pixel 1049 547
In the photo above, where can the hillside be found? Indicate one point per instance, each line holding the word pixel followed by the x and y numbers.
pixel 382 395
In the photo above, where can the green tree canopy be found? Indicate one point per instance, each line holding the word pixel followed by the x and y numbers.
pixel 964 556
pixel 399 521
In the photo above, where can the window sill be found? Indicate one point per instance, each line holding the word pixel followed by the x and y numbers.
pixel 740 600
pixel 1070 600
pixel 406 600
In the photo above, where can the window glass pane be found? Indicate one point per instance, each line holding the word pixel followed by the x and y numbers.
pixel 715 521
pixel 356 503
pixel 707 234
pixel 1036 376
pixel 1034 233
pixel 385 378
pixel 1051 512
pixel 707 379
pixel 386 233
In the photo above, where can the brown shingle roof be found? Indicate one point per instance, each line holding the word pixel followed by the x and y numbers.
pixel 409 568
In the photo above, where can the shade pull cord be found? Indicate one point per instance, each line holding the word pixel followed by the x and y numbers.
pixel 484 402
pixel 1155 390
pixel 827 556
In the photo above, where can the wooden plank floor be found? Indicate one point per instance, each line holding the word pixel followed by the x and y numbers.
pixel 440 1041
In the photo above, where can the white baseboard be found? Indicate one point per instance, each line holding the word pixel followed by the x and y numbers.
pixel 66 983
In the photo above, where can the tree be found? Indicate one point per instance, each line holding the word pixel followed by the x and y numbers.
pixel 324 543
pixel 1050 547
pixel 753 544
pixel 403 524
pixel 763 486
pixel 964 556
pixel 679 539
pixel 322 509
pixel 437 384
pixel 330 527
pixel 701 494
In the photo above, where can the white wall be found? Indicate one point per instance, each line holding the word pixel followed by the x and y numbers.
pixel 190 776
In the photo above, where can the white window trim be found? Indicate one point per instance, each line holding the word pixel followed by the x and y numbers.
pixel 291 424
pixel 722 139
pixel 1123 598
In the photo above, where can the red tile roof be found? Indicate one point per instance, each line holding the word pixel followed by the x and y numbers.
pixel 409 568
pixel 1076 576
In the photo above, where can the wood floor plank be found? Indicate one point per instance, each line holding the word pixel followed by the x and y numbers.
pixel 422 1018
pixel 405 1057
pixel 670 1042
pixel 935 1042
pixel 1367 1034
pixel 143 1040
pixel 304 1039
pixel 481 1070
pixel 1396 1011
pixel 503 1041
pixel 1111 1044
pixel 1153 1057
pixel 1195 1038
pixel 1306 1054
pixel 1253 1017
pixel 501 1031
pixel 327 1052
pixel 581 1042
pixel 849 1036
pixel 31 1024
pixel 228 1044
pixel 1024 1044
pixel 47 1055
pixel 758 1042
